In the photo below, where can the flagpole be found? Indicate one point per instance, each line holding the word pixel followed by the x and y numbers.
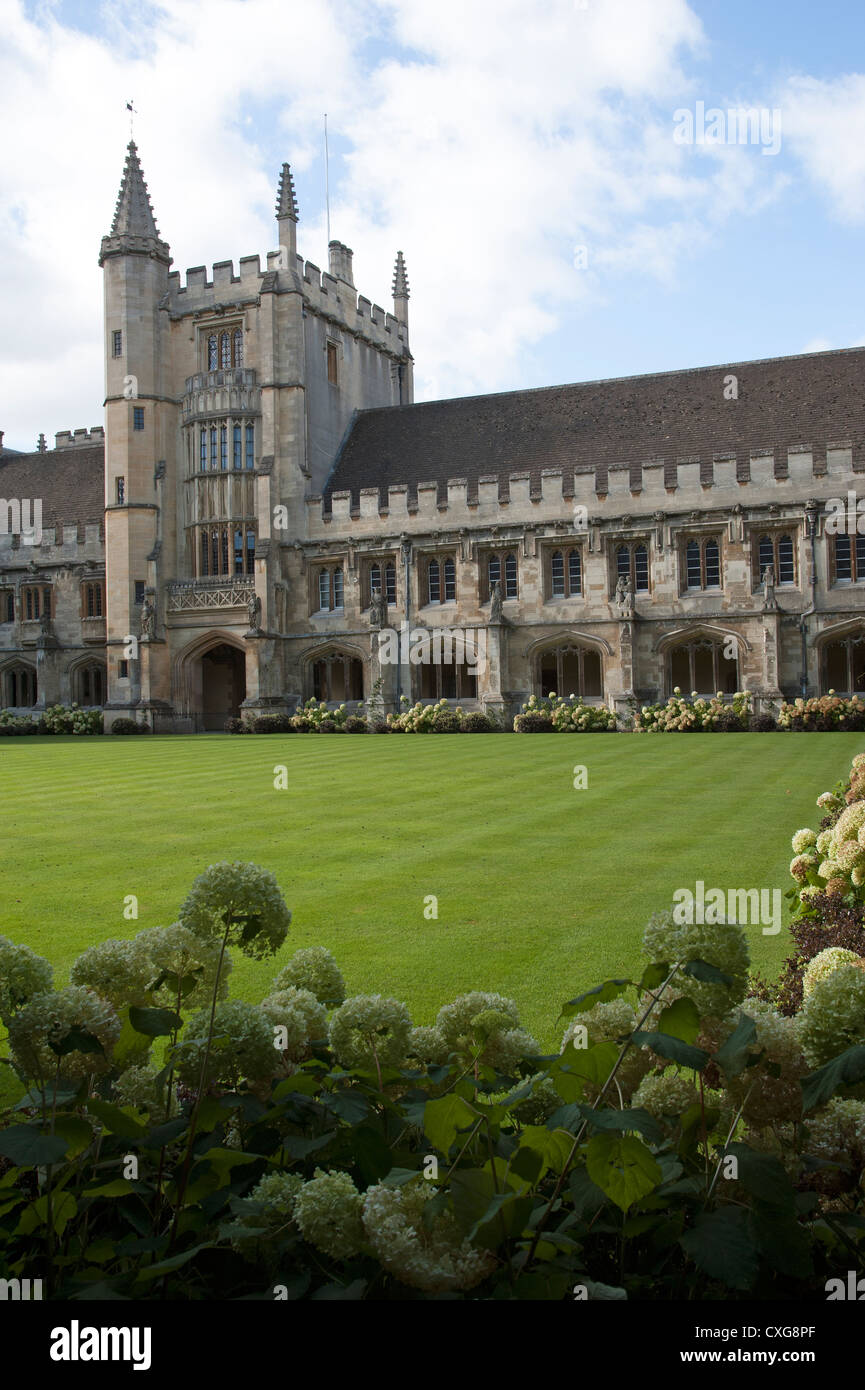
pixel 327 178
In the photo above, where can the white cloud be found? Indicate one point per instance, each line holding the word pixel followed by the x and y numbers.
pixel 824 123
pixel 491 138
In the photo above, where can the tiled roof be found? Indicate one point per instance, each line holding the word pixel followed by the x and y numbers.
pixel 69 482
pixel 817 398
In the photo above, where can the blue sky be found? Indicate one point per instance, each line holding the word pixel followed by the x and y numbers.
pixel 485 138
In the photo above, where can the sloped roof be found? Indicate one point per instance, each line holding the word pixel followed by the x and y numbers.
pixel 813 399
pixel 69 482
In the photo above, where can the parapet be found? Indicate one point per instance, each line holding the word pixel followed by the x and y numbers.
pixel 68 439
pixel 760 478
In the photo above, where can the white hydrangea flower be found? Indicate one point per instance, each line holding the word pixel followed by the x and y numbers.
pixel 435 1256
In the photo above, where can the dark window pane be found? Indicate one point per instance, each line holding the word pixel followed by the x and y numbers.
pixel 390 583
pixel 434 583
pixel 842 558
pixel 786 572
pixel 575 575
pixel 641 567
pixel 450 580
pixel 510 576
pixel 557 566
pixel 713 565
pixel 692 559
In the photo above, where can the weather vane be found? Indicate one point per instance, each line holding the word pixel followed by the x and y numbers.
pixel 132 114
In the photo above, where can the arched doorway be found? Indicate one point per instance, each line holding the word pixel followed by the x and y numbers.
pixel 223 685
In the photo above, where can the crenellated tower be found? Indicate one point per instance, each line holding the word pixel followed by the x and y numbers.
pixel 141 417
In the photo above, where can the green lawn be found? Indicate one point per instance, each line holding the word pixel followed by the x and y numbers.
pixel 543 890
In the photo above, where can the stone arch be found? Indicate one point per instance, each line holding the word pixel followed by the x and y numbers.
pixel 571 663
pixel 698 657
pixel 209 678
pixel 841 657
pixel 18 678
pixel 88 679
pixel 334 671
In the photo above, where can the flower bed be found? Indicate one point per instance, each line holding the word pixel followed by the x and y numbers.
pixel 826 712
pixel 556 715
pixel 682 714
pixel 57 719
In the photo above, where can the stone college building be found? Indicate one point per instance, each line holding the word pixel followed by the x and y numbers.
pixel 266 506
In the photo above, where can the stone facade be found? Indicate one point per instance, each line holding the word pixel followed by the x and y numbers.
pixel 279 519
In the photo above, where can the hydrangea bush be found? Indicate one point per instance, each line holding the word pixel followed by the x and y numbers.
pixel 565 716
pixel 683 714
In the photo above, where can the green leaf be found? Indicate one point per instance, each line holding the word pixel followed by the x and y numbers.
pixel 222 1161
pixel 653 975
pixel 623 1168
pixel 444 1118
pixel 77 1132
pixel 601 994
pixel 28 1147
pixel 350 1105
pixel 471 1190
pixel 722 1246
pixel 709 974
pixel 165 1134
pixel 115 1120
pixel 782 1241
pixel 846 1070
pixel 732 1055
pixel 673 1048
pixel 60 1212
pixel 577 1065
pixel 553 1146
pixel 624 1121
pixel 175 1262
pixel 763 1176
pixel 680 1020
pixel 154 1023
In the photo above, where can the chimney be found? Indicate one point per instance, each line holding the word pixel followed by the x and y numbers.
pixel 340 262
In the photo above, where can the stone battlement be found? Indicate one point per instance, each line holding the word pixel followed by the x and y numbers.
pixel 753 480
pixel 322 292
pixel 73 546
pixel 68 439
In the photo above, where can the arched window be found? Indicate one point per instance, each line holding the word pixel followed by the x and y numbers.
pixel 374 579
pixel 390 581
pixel 212 353
pixel 238 347
pixel 93 599
pixel 330 589
pixel 7 606
pixel 568 670
pixel 842 665
pixel 225 350
pixel 501 568
pixel 703 563
pixel 632 562
pixel 702 665
pixel 91 685
pixel 36 603
pixel 19 687
pixel 337 677
pixel 565 574
pixel 776 548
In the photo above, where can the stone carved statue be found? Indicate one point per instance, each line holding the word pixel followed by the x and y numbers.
pixel 254 610
pixel 377 609
pixel 625 596
pixel 496 602
pixel 769 600
pixel 148 617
